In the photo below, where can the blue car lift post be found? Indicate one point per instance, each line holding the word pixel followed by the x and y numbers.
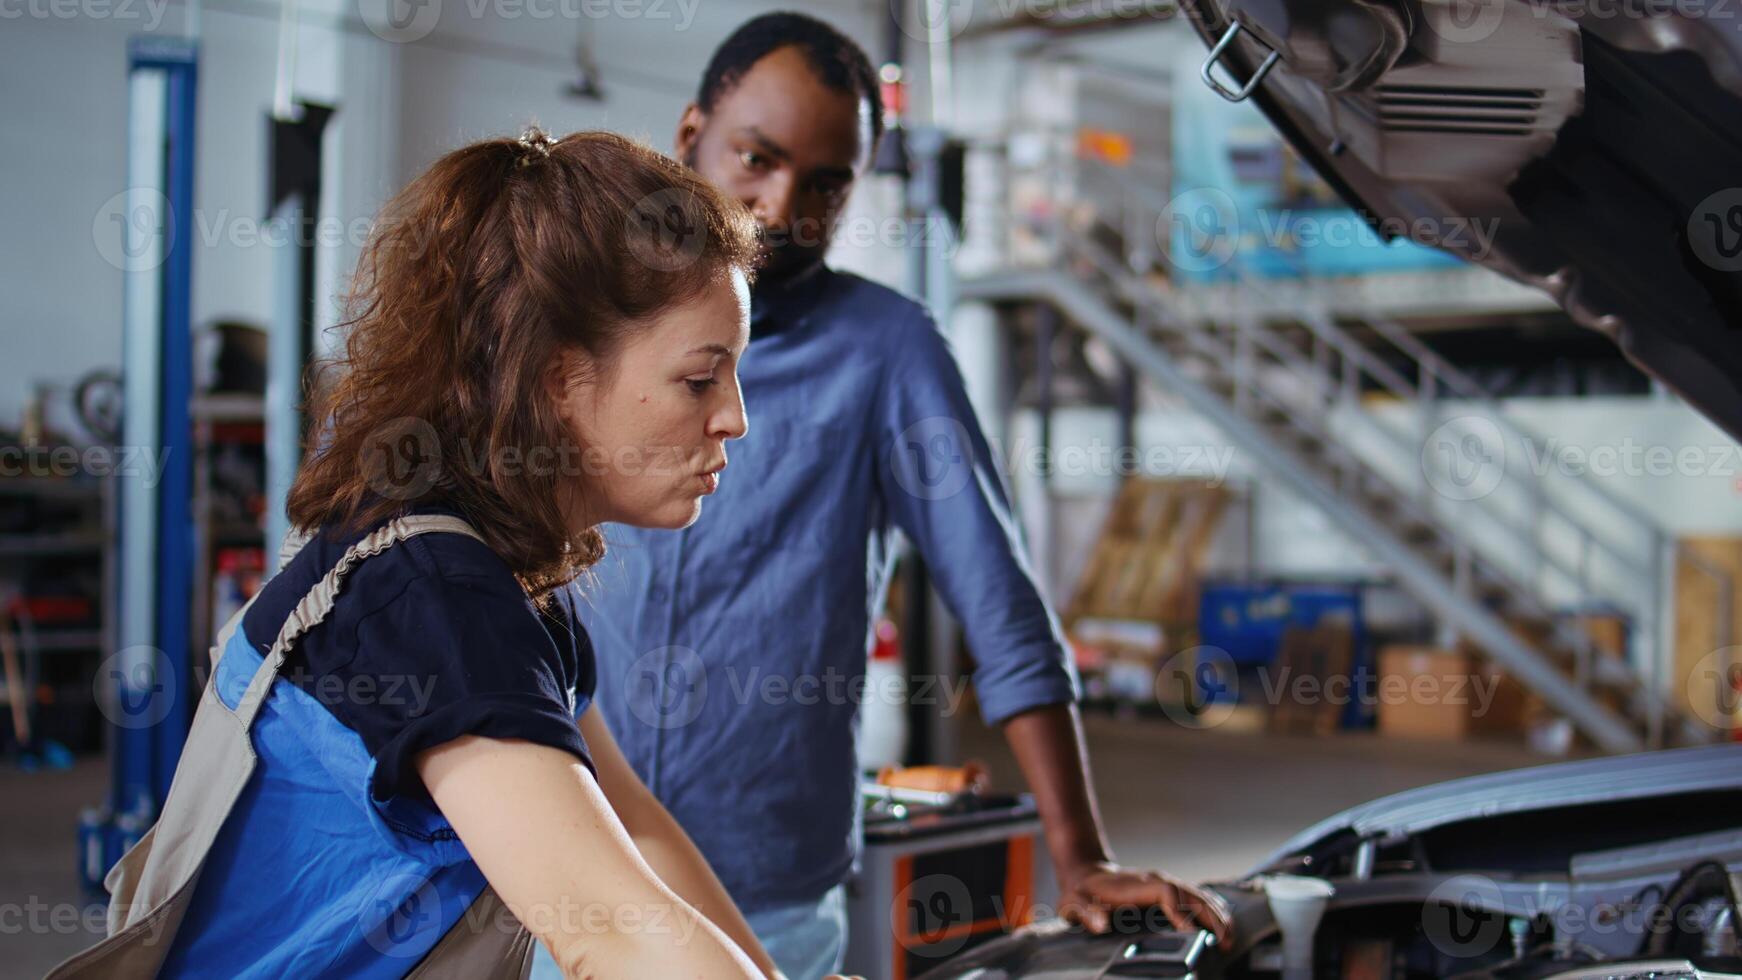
pixel 149 680
pixel 153 673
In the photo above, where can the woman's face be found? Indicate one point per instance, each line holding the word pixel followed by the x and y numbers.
pixel 655 425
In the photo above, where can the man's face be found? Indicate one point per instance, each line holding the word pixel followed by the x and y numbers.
pixel 786 145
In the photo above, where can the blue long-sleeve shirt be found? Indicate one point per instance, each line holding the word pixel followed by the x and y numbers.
pixel 731 656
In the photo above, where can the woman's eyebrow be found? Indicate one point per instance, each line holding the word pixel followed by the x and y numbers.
pixel 720 350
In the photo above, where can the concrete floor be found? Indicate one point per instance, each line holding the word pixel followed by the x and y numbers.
pixel 1195 804
pixel 1210 804
pixel 42 919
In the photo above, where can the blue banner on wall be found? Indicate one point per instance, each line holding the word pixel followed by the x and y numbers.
pixel 1245 205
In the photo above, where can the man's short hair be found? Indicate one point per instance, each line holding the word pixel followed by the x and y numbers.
pixel 837 59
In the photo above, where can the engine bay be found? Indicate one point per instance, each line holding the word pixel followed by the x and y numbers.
pixel 1639 888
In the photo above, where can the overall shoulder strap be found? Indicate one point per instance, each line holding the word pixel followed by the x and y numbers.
pixel 294 540
pixel 318 603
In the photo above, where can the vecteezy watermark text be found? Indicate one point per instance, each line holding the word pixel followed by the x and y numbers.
pixel 63 462
pixel 1467 458
pixel 668 688
pixel 935 459
pixel 149 13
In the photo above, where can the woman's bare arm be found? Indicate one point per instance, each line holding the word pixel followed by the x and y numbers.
pixel 663 842
pixel 547 840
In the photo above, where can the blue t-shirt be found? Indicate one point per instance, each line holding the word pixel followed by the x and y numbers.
pixel 430 640
pixel 335 862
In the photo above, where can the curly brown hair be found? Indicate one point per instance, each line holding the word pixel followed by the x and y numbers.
pixel 478 277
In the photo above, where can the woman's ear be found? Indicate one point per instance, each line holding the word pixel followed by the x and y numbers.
pixel 568 382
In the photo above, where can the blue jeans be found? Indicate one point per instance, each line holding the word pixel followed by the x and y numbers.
pixel 805 940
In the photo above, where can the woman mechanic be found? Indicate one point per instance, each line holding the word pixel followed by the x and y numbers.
pixel 385 777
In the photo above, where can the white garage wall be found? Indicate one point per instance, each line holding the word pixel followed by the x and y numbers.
pixel 63 151
pixel 491 66
pixel 1703 497
pixel 651 54
pixel 62 147
pixel 62 86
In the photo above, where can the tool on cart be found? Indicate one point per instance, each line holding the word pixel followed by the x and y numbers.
pixel 916 790
pixel 972 777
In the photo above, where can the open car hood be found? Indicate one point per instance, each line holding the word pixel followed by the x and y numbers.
pixel 1612 779
pixel 1603 136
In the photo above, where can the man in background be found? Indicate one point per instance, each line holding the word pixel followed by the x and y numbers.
pixel 860 427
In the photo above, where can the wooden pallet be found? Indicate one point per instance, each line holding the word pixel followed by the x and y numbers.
pixel 1704 654
pixel 1146 564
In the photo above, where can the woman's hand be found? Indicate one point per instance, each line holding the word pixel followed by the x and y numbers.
pixel 547 840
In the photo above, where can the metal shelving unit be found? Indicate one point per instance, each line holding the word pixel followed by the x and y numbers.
pixel 52 545
pixel 88 538
pixel 210 412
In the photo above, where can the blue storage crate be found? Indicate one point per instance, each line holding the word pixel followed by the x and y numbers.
pixel 1246 621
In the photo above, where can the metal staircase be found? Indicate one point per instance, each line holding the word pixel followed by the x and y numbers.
pixel 1434 480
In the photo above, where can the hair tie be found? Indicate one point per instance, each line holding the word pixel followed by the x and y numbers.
pixel 535 141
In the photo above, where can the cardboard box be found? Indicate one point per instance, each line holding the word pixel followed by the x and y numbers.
pixel 1510 709
pixel 1425 692
pixel 1516 712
